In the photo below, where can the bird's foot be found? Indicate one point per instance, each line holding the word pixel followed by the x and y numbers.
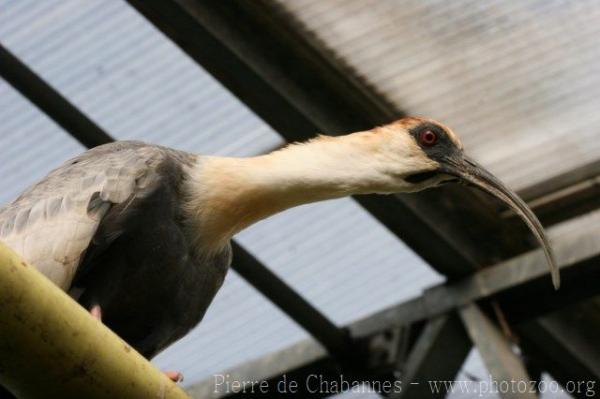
pixel 96 312
pixel 174 376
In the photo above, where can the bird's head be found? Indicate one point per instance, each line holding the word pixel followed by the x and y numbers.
pixel 422 153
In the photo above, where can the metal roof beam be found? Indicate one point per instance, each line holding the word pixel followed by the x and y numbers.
pixel 439 351
pixel 564 344
pixel 521 285
pixel 50 101
pixel 496 350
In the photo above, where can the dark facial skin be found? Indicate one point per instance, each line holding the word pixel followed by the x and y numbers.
pixel 437 144
pixel 441 148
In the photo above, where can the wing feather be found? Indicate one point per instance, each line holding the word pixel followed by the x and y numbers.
pixel 52 224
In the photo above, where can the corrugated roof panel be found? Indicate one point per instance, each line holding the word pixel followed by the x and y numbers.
pixel 518 81
pixel 31 144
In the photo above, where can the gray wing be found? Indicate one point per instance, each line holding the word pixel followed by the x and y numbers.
pixel 51 224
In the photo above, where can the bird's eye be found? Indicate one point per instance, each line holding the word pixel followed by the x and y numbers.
pixel 428 137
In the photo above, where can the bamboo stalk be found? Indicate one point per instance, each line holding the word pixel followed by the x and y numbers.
pixel 50 347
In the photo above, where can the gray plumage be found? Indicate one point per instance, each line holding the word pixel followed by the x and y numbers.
pixel 109 223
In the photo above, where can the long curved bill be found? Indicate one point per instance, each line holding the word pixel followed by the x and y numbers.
pixel 470 172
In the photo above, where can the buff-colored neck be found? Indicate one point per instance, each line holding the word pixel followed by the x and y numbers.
pixel 227 195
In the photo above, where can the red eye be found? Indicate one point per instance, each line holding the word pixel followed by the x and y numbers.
pixel 428 138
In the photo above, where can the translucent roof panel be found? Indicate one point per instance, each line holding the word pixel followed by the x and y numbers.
pixel 129 78
pixel 517 80
pixel 114 65
pixel 340 258
pixel 31 143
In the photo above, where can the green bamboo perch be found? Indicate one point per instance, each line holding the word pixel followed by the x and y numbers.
pixel 50 347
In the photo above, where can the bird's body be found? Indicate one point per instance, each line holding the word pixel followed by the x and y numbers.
pixel 110 226
pixel 144 231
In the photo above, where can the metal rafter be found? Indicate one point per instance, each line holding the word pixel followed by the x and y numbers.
pixel 565 346
pixel 439 351
pixel 49 101
pixel 522 285
pixel 497 353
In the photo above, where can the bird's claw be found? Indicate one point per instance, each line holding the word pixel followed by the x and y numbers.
pixel 96 312
pixel 174 376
